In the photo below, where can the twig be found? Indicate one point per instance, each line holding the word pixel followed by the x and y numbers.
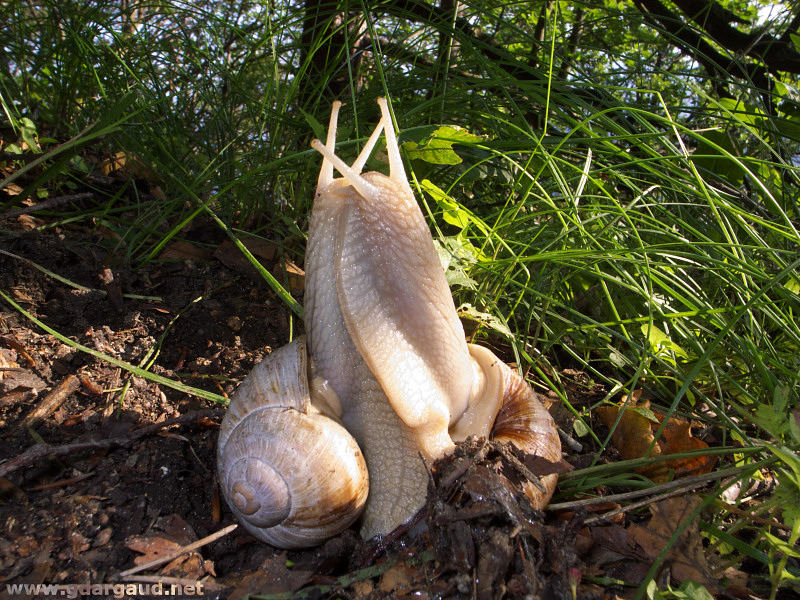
pixel 46 204
pixel 184 550
pixel 687 482
pixel 756 519
pixel 41 451
pixel 570 441
pixel 651 500
pixel 52 401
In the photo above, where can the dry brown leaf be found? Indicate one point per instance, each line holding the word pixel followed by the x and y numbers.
pixel 634 436
pixel 128 164
pixel 294 274
pixel 399 578
pixel 229 254
pixel 273 577
pixel 685 558
pixel 736 577
pixel 29 221
pixel 151 548
pixel 677 437
pixel 177 529
pixel 6 364
pixel 181 250
pixel 362 589
pixel 14 343
pixel 188 566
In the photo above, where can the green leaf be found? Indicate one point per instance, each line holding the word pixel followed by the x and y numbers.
pixel 780 398
pixel 645 412
pixel 29 134
pixel 317 127
pixel 489 320
pixel 438 149
pixel 580 428
pixel 712 161
pixel 780 545
pixel 660 343
pixel 691 590
pixel 794 425
pixel 789 128
pixel 771 421
pixel 652 591
pixel 452 213
pixel 457 255
pixel 793 285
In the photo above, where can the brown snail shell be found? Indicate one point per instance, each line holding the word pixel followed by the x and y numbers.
pixel 292 475
pixel 390 363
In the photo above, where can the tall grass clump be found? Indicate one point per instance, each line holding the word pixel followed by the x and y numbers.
pixel 598 211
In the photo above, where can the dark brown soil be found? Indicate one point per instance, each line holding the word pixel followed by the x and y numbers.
pixel 94 486
pixel 85 514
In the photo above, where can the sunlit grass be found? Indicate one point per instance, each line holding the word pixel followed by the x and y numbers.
pixel 644 234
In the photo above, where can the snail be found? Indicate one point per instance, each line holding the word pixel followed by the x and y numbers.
pixel 344 423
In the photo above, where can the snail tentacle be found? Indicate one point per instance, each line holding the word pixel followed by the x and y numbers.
pixel 391 374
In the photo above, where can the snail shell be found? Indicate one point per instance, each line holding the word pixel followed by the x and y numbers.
pixel 390 362
pixel 524 421
pixel 292 475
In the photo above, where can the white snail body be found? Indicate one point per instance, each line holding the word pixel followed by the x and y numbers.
pixel 389 366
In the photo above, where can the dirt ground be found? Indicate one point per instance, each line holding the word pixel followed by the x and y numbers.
pixel 101 470
pixel 105 492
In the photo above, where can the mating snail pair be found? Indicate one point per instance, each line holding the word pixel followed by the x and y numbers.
pixel 341 424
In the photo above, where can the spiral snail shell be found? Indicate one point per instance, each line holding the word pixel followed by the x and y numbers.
pixel 341 424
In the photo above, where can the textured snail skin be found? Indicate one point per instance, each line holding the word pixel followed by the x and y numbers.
pixel 388 357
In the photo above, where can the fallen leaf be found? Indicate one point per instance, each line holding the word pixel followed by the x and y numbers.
pixel 294 274
pixel 229 254
pixel 29 222
pixel 6 364
pixel 273 577
pixel 127 164
pixel 736 577
pixel 399 578
pixel 177 529
pixel 151 547
pixel 186 566
pixel 362 589
pixel 613 538
pixel 15 344
pixel 181 250
pixel 633 437
pixel 685 558
pixel 677 437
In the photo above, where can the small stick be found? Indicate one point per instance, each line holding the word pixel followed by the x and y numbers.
pixel 45 204
pixel 14 343
pixel 52 400
pixel 570 441
pixel 647 501
pixel 40 451
pixel 184 550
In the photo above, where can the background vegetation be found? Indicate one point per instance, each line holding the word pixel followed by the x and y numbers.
pixel 615 191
